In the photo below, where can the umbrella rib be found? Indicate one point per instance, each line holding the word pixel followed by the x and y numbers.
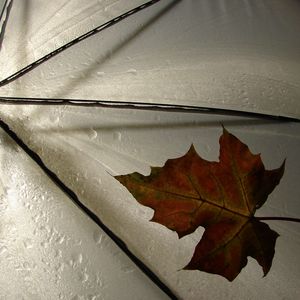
pixel 6 7
pixel 72 195
pixel 3 8
pixel 75 41
pixel 167 107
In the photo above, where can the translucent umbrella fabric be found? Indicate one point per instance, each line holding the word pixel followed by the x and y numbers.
pixel 232 54
pixel 239 55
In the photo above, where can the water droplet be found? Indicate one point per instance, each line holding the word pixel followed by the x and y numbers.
pixel 54 119
pixel 178 282
pixel 207 148
pixel 79 258
pixel 92 134
pixel 60 239
pixel 71 263
pixel 26 266
pixel 28 206
pixel 117 136
pixel 99 281
pixel 78 242
pixel 158 118
pixel 83 277
pixel 97 237
pixel 3 204
pixel 60 267
pixel 45 244
pixel 3 249
pixel 58 253
pixel 132 71
pixel 28 243
pixel 127 269
pixel 100 74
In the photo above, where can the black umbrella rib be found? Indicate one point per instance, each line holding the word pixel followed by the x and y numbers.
pixel 136 105
pixel 75 199
pixel 84 36
pixel 3 8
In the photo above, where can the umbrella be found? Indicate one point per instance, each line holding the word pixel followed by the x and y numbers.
pixel 237 60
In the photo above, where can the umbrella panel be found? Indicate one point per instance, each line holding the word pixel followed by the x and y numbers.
pixel 85 147
pixel 235 55
pixel 49 249
pixel 232 55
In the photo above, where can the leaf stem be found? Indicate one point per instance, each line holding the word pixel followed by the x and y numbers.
pixel 297 220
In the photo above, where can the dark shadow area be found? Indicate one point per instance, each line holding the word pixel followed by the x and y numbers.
pixel 167 125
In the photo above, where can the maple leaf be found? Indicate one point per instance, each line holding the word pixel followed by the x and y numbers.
pixel 222 197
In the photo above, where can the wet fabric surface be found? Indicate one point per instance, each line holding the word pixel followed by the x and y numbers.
pixel 238 55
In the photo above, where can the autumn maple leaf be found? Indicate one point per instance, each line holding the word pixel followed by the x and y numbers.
pixel 222 197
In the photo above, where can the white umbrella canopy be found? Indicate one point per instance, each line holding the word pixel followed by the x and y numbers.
pixel 232 54
pixel 237 55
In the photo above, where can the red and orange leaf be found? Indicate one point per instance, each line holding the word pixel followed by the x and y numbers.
pixel 222 197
